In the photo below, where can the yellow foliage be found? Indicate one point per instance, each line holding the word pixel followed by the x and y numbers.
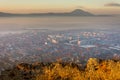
pixel 95 70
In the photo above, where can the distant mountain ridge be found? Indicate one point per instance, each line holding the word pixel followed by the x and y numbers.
pixel 81 12
pixel 76 12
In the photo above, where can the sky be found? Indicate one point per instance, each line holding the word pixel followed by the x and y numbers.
pixel 36 6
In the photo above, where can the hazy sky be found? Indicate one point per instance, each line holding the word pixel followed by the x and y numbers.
pixel 27 6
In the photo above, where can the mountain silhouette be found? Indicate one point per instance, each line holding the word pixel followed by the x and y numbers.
pixel 81 13
pixel 76 12
pixel 5 14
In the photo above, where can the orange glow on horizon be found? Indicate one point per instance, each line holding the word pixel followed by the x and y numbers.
pixel 44 6
pixel 94 11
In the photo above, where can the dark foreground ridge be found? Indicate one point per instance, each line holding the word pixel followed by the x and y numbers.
pixel 95 69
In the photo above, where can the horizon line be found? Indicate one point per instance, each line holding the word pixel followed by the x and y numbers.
pixel 54 12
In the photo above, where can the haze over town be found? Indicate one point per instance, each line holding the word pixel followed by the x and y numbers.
pixel 59 39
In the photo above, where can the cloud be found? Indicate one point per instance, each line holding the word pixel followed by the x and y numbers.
pixel 112 5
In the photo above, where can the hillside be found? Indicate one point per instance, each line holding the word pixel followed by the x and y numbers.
pixel 95 69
